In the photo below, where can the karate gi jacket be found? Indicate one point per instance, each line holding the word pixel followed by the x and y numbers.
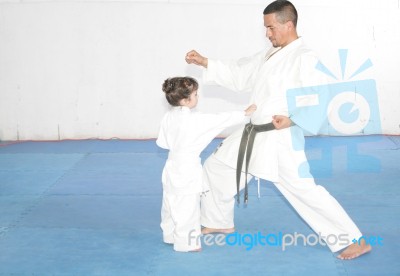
pixel 185 133
pixel 267 75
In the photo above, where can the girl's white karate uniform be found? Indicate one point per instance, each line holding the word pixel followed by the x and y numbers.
pixel 185 134
pixel 268 75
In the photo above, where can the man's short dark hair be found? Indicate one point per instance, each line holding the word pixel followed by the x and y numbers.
pixel 284 10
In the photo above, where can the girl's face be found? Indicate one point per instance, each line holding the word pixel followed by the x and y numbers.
pixel 192 101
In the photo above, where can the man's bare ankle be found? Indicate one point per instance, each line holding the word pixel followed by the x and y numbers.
pixel 354 251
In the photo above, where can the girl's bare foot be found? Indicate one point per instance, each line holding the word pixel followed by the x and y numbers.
pixel 207 230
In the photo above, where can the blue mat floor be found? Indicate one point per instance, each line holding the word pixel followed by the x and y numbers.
pixel 92 207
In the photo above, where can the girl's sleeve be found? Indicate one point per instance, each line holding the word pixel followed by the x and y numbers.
pixel 162 136
pixel 210 125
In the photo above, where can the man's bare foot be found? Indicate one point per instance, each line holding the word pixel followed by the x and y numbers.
pixel 207 230
pixel 355 250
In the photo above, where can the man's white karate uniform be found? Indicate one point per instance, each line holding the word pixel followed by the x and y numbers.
pixel 268 75
pixel 185 134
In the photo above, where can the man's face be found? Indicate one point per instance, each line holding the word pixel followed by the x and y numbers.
pixel 277 33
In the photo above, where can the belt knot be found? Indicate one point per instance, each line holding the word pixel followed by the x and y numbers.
pixel 246 147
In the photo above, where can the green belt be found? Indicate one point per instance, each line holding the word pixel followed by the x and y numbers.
pixel 246 146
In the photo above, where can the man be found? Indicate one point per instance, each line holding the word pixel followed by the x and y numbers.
pixel 268 75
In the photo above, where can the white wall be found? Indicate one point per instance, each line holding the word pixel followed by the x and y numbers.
pixel 91 69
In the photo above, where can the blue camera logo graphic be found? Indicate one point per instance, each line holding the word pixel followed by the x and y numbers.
pixel 344 108
pixel 347 108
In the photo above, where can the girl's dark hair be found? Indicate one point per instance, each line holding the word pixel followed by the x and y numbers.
pixel 285 11
pixel 179 88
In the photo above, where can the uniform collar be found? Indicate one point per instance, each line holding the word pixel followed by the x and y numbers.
pixel 181 108
pixel 292 45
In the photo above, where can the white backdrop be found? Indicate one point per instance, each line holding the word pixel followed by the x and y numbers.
pixel 88 69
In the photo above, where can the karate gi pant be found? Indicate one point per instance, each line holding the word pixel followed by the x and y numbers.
pixel 180 221
pixel 312 202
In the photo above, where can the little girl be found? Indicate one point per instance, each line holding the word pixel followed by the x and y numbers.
pixel 185 134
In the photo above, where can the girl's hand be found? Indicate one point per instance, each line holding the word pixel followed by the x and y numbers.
pixel 250 110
